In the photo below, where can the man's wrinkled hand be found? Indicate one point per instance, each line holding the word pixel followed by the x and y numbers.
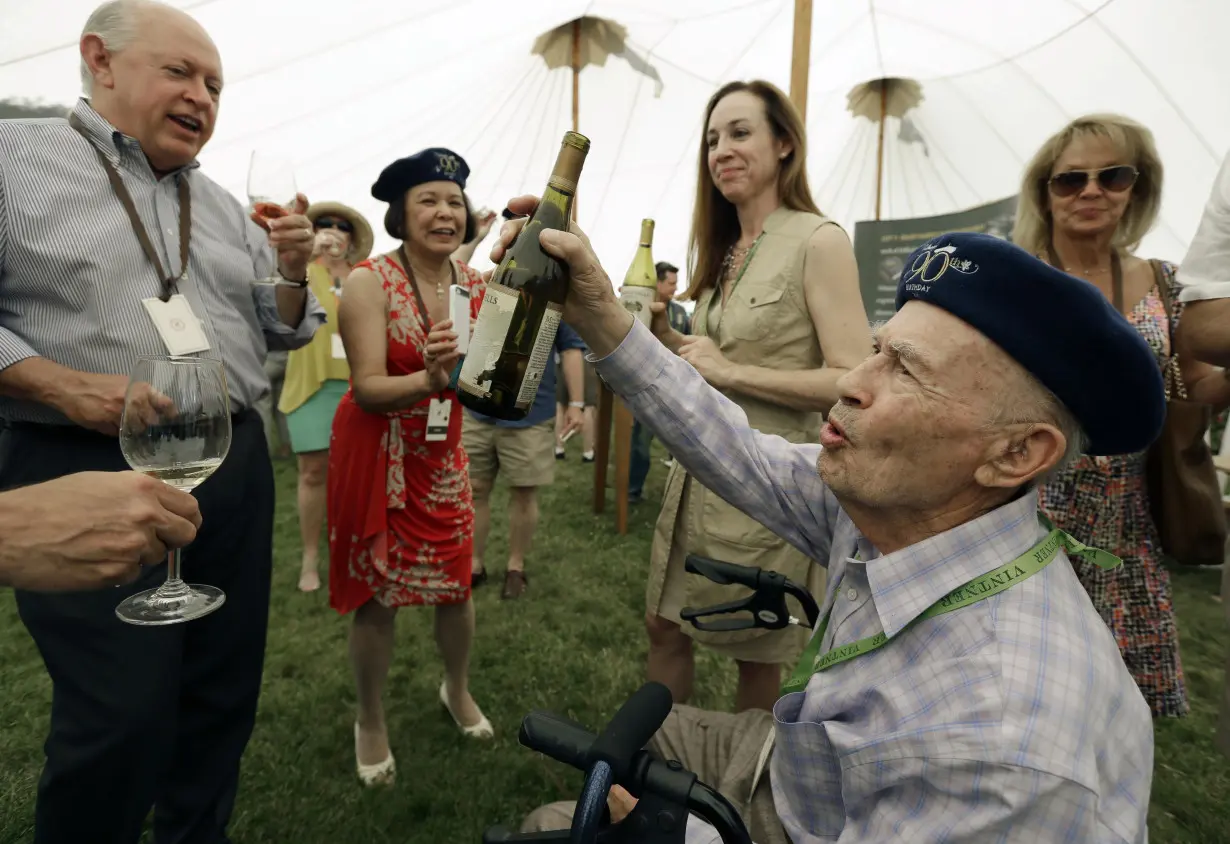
pixel 91 530
pixel 96 402
pixel 590 291
pixel 293 238
pixel 574 418
pixel 620 803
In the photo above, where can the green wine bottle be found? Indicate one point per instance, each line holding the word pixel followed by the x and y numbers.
pixel 514 335
pixel 640 288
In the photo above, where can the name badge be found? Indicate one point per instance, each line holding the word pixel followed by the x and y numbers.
pixel 438 414
pixel 181 330
pixel 339 350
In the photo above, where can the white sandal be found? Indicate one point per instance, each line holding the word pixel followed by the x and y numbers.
pixel 382 773
pixel 481 730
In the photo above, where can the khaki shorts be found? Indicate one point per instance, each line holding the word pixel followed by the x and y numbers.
pixel 524 456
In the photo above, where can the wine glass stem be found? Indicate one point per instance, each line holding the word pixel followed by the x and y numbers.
pixel 174 586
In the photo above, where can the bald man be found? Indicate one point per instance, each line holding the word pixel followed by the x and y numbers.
pixel 114 245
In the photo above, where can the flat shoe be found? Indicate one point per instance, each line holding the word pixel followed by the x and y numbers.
pixel 515 584
pixel 382 773
pixel 481 730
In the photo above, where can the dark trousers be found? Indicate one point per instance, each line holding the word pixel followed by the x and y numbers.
pixel 151 716
pixel 638 468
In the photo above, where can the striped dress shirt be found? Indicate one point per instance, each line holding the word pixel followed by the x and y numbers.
pixel 1013 719
pixel 73 274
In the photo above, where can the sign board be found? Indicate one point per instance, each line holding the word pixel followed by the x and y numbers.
pixel 881 247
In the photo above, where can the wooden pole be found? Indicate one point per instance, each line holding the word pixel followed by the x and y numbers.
pixel 880 146
pixel 576 89
pixel 800 62
pixel 576 75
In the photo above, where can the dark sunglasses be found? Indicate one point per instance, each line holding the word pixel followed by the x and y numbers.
pixel 330 223
pixel 1114 179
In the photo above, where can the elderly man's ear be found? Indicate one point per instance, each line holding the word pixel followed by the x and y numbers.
pixel 1021 454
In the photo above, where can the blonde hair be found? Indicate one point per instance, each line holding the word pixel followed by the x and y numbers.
pixel 715 225
pixel 1033 217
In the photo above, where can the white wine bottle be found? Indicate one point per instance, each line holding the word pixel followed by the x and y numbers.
pixel 514 334
pixel 640 288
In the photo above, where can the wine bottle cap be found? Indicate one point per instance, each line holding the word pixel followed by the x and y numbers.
pixel 647 232
pixel 569 163
pixel 576 139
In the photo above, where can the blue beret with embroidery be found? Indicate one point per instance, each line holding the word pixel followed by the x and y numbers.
pixel 1060 328
pixel 435 164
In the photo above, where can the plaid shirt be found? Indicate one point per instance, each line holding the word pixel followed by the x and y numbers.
pixel 1013 719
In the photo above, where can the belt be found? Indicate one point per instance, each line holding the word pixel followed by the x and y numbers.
pixel 237 418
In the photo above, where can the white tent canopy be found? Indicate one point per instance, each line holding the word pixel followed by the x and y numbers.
pixel 345 89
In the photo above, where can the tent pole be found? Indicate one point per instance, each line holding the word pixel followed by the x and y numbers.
pixel 800 61
pixel 880 146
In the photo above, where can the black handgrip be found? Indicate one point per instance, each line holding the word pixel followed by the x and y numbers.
pixel 723 573
pixel 563 740
pixel 631 729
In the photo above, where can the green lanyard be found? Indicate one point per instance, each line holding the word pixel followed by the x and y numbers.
pixel 1028 564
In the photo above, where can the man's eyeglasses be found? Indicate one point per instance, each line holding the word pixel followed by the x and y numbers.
pixel 331 223
pixel 1113 179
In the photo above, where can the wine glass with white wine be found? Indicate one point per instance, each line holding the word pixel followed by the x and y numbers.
pixel 176 427
pixel 271 193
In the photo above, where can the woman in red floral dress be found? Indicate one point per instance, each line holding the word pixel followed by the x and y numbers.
pixel 401 514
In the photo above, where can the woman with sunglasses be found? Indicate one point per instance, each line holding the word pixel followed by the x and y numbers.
pixel 317 375
pixel 1088 197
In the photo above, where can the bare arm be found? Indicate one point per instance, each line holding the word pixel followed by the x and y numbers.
pixel 830 285
pixel 363 315
pixel 1205 383
pixel 92 401
pixel 292 304
pixel 662 328
pixel 466 251
pixel 571 362
pixel 1205 330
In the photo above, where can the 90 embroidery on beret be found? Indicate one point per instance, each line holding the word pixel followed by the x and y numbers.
pixel 436 164
pixel 1059 327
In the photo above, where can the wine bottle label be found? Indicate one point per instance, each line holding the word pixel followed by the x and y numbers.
pixel 636 300
pixel 540 357
pixel 490 331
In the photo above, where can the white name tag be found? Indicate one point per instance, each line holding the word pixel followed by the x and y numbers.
pixel 181 331
pixel 438 414
pixel 339 350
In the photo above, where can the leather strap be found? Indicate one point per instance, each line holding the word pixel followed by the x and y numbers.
pixel 424 316
pixel 169 282
pixel 1116 273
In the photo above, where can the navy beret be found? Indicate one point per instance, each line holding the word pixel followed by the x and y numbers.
pixel 435 164
pixel 1059 327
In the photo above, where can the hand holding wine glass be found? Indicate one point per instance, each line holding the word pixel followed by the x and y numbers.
pixel 276 205
pixel 176 428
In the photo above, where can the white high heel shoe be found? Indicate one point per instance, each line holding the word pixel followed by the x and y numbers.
pixel 481 730
pixel 382 773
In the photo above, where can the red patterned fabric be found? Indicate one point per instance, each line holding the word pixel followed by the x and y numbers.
pixel 401 513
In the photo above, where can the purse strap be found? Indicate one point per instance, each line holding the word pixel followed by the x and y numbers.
pixel 1172 374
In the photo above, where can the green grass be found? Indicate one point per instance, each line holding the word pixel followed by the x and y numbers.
pixel 575 645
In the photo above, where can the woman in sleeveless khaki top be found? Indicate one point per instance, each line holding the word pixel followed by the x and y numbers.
pixel 777 298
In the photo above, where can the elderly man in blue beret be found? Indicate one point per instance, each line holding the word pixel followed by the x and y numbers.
pixel 960 686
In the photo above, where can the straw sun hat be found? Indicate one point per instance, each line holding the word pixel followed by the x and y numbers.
pixel 360 238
